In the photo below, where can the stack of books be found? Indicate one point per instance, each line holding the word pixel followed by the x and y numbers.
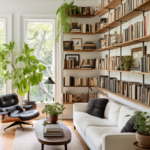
pixel 88 28
pixel 89 45
pixel 84 9
pixel 75 29
pixel 53 130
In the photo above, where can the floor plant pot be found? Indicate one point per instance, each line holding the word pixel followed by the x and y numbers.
pixel 143 141
pixel 53 119
pixel 31 102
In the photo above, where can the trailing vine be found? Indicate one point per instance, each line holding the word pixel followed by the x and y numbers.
pixel 64 22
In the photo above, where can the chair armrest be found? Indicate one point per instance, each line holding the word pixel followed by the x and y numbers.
pixel 80 107
pixel 121 141
pixel 27 107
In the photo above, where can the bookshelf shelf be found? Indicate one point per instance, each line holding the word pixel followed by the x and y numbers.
pixel 78 86
pixel 79 51
pixel 126 98
pixel 79 33
pixel 106 48
pixel 128 43
pixel 144 39
pixel 78 69
pixel 82 16
pixel 73 102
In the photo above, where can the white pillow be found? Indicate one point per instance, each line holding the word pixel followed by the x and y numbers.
pixel 107 108
pixel 124 110
pixel 113 113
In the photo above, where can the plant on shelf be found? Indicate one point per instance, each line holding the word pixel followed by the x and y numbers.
pixel 53 110
pixel 29 74
pixel 142 125
pixel 64 22
pixel 127 62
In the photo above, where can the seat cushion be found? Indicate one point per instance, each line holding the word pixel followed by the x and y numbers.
pixel 26 115
pixel 94 135
pixel 85 120
pixel 113 113
pixel 124 110
pixel 96 107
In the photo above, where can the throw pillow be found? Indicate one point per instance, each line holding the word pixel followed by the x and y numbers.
pixel 96 107
pixel 129 127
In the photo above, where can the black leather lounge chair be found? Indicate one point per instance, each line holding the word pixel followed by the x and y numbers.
pixel 11 111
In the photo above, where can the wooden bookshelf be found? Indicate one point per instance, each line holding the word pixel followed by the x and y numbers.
pixel 106 48
pixel 79 51
pixel 123 97
pixel 82 16
pixel 79 33
pixel 73 102
pixel 79 69
pixel 78 86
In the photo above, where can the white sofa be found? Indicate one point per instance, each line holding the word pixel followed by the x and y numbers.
pixel 104 134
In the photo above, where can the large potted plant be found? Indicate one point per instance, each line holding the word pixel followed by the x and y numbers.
pixel 53 110
pixel 127 62
pixel 64 22
pixel 29 74
pixel 142 125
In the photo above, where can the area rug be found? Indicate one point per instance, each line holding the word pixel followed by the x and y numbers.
pixel 27 141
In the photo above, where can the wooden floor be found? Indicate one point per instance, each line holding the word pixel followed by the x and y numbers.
pixel 7 137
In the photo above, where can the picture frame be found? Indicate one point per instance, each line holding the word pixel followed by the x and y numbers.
pixel 77 41
pixel 136 54
pixel 68 45
pixel 72 56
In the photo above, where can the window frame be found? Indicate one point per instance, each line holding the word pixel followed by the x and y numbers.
pixel 53 47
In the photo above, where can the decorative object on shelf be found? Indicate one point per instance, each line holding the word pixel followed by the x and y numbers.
pixel 77 42
pixel 62 13
pixel 96 10
pixel 22 78
pixel 127 62
pixel 136 54
pixel 72 56
pixel 79 48
pixel 89 45
pixel 87 10
pixel 76 98
pixel 114 38
pixel 141 124
pixel 74 24
pixel 53 111
pixel 68 45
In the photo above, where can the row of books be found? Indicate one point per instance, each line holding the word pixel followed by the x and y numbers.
pixel 69 98
pixel 145 63
pixel 88 28
pixel 133 90
pixel 104 3
pixel 99 25
pixel 74 81
pixel 86 10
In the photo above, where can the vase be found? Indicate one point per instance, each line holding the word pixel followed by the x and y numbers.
pixel 53 119
pixel 143 141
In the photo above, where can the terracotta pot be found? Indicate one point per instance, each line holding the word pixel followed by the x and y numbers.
pixel 126 69
pixel 143 141
pixel 53 119
pixel 87 12
pixel 31 102
pixel 74 24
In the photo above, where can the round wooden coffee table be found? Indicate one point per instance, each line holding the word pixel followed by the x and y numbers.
pixel 52 140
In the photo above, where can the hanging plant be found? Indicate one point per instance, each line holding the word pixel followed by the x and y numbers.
pixel 65 13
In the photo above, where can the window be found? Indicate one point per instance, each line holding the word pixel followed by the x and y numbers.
pixel 40 36
pixel 2 41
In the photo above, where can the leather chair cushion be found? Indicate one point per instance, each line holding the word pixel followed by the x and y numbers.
pixel 26 115
pixel 8 100
pixel 11 108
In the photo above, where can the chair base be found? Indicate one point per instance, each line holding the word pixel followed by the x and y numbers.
pixel 18 123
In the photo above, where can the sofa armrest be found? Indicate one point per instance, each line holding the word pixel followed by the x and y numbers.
pixel 121 141
pixel 80 107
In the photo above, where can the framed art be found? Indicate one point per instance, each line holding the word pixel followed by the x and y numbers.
pixel 77 41
pixel 68 45
pixel 136 53
pixel 72 56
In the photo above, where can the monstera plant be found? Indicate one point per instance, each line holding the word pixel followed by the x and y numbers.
pixel 64 22
pixel 26 75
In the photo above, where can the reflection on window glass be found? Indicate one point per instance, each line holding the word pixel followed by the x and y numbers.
pixel 2 88
pixel 40 38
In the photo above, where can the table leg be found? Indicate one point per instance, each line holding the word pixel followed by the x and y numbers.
pixel 42 146
pixel 66 147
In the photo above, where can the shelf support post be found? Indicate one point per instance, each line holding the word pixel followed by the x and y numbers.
pixel 109 68
pixel 120 57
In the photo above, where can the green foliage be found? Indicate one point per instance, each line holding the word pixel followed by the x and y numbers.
pixel 22 77
pixel 64 22
pixel 141 122
pixel 53 110
pixel 127 61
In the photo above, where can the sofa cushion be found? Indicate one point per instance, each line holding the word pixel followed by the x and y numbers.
pixel 113 113
pixel 107 108
pixel 124 110
pixel 94 135
pixel 96 107
pixel 85 120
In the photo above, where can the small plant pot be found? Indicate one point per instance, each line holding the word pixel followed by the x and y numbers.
pixel 87 12
pixel 126 69
pixel 53 119
pixel 74 24
pixel 143 141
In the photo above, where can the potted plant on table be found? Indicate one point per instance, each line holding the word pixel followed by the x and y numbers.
pixel 53 110
pixel 64 22
pixel 127 62
pixel 28 74
pixel 142 125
